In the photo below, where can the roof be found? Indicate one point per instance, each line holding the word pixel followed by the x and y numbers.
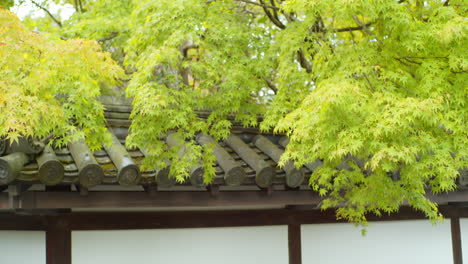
pixel 245 158
pixel 247 172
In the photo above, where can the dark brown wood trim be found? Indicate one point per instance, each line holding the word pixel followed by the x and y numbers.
pixel 227 218
pixel 58 242
pixel 459 196
pixel 294 244
pixel 43 220
pixel 4 201
pixel 11 221
pixel 456 240
pixel 31 200
pixel 129 199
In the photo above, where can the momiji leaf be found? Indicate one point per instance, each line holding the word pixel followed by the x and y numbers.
pixel 375 90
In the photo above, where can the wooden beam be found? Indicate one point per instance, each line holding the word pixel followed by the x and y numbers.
pixel 456 240
pixel 129 199
pixel 190 219
pixel 459 196
pixel 58 242
pixel 31 200
pixel 294 244
pixel 228 218
pixel 12 221
pixel 158 220
pixel 4 203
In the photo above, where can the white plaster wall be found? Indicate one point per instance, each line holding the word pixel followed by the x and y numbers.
pixel 234 245
pixel 464 237
pixel 22 247
pixel 402 242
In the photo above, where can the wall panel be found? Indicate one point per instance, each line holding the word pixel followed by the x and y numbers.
pixel 464 237
pixel 22 247
pixel 246 245
pixel 403 242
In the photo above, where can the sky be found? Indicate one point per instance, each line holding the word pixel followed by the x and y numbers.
pixel 24 9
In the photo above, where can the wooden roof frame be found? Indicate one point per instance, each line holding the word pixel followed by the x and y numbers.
pixel 71 220
pixel 186 199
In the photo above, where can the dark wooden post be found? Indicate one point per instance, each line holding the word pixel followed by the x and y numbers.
pixel 58 242
pixel 456 240
pixel 294 244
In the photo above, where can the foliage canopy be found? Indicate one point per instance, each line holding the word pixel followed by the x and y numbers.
pixel 372 88
pixel 48 85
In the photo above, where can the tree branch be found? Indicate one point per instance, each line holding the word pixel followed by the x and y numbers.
pixel 347 29
pixel 402 62
pixel 259 4
pixel 185 72
pixel 81 6
pixel 364 27
pixel 318 26
pixel 271 85
pixel 184 48
pixel 48 13
pixel 412 61
pixel 369 82
pixel 289 17
pixel 77 7
pixel 271 17
pixel 108 37
pixel 304 62
pixel 275 12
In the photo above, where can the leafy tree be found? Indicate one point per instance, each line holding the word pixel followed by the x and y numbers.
pixel 374 89
pixel 7 3
pixel 51 86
